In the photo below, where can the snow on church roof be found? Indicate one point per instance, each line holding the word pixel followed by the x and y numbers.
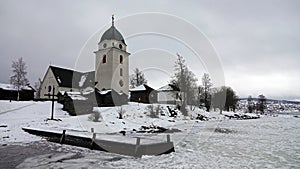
pixel 82 80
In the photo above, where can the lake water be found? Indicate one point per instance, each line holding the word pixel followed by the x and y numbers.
pixel 268 142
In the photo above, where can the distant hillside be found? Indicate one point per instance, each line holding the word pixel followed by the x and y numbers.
pixel 274 100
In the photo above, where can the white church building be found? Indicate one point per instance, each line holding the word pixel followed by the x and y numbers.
pixel 111 69
pixel 111 74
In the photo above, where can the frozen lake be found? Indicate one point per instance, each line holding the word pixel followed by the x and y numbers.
pixel 268 142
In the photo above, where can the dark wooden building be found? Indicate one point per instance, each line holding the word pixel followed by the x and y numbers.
pixel 9 92
pixel 75 103
pixel 143 94
pixel 110 98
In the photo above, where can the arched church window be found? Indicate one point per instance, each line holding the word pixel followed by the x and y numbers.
pixel 121 72
pixel 104 45
pixel 121 59
pixel 49 89
pixel 120 46
pixel 104 59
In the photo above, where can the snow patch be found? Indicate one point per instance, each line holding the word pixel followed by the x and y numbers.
pixel 12 87
pixel 58 79
pixel 82 80
pixel 139 88
pixel 104 91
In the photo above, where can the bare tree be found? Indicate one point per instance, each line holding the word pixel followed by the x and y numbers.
pixel 207 84
pixel 137 78
pixel 37 87
pixel 185 80
pixel 18 79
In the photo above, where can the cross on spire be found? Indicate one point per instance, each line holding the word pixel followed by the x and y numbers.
pixel 112 19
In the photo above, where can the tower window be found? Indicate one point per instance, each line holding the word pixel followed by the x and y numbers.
pixel 121 59
pixel 121 83
pixel 104 59
pixel 120 46
pixel 121 72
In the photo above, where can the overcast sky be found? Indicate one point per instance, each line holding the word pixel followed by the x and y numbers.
pixel 257 41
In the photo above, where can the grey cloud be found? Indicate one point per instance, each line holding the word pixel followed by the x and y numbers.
pixel 250 36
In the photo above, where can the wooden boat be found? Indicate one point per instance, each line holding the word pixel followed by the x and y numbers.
pixel 136 149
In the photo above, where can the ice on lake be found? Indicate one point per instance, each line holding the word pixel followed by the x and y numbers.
pixel 269 142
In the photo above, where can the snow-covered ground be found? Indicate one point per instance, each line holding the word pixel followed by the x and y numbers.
pixel 268 142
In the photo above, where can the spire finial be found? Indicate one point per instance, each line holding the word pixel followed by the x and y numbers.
pixel 112 19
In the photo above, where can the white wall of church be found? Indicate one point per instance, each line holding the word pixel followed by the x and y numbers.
pixel 103 71
pixel 47 84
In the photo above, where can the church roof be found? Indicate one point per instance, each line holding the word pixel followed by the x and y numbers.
pixel 112 34
pixel 71 78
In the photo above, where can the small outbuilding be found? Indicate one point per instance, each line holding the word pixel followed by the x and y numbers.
pixel 169 94
pixel 75 103
pixel 143 94
pixel 9 92
pixel 61 97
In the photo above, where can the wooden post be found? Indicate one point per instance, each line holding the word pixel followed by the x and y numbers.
pixel 93 140
pixel 168 138
pixel 62 138
pixel 53 94
pixel 138 141
pixel 137 145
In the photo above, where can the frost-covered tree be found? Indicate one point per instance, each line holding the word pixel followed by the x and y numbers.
pixel 18 79
pixel 261 104
pixel 137 78
pixel 185 80
pixel 224 98
pixel 250 104
pixel 200 91
pixel 207 84
pixel 231 99
pixel 218 98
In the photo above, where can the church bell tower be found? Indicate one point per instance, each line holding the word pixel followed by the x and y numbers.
pixel 112 64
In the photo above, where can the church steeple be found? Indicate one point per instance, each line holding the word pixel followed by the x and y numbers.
pixel 112 61
pixel 112 33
